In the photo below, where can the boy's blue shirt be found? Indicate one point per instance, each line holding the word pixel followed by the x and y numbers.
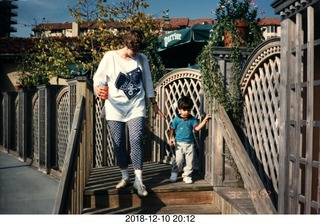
pixel 183 128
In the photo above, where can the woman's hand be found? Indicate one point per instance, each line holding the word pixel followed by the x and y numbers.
pixel 156 111
pixel 100 91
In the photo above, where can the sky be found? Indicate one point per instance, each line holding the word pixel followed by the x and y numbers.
pixel 34 12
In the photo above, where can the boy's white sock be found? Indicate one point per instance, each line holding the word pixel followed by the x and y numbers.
pixel 138 174
pixel 125 174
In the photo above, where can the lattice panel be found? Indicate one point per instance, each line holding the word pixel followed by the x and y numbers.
pixel 99 133
pixel 35 127
pixel 174 85
pixel 110 157
pixel 42 127
pixel 262 109
pixel 104 154
pixel 260 86
pixel 63 124
pixel 72 101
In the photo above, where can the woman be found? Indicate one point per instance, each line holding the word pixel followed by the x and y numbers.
pixel 127 73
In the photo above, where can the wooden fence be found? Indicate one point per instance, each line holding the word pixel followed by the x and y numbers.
pixel 37 124
pixel 44 133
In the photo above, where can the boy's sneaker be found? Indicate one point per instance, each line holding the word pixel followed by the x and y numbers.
pixel 173 177
pixel 141 189
pixel 188 180
pixel 123 183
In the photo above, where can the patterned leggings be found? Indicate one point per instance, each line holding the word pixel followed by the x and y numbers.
pixel 118 135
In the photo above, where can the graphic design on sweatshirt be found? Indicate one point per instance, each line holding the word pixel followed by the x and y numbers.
pixel 128 82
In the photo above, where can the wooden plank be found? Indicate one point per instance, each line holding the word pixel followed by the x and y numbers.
pixel 216 161
pixel 208 209
pixel 284 91
pixel 310 109
pixel 237 199
pixel 65 183
pixel 297 116
pixel 248 173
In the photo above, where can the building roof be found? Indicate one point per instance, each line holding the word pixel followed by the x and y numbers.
pixel 269 21
pixel 14 45
pixel 68 25
pixel 175 23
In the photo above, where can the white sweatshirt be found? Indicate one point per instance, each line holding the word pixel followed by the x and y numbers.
pixel 126 97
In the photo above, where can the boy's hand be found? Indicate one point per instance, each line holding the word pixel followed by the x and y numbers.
pixel 171 142
pixel 207 117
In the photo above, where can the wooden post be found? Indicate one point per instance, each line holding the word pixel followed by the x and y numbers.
pixel 24 126
pixel 9 121
pixel 47 126
pixel 217 150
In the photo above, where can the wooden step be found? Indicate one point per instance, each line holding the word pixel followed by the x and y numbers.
pixel 101 196
pixel 169 209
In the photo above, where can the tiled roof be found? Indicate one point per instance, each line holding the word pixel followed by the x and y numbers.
pixel 201 21
pixel 269 21
pixel 68 25
pixel 14 45
pixel 53 26
pixel 175 23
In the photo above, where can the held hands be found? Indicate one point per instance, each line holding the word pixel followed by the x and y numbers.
pixel 156 111
pixel 171 142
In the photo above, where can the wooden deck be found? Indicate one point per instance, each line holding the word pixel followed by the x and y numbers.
pixel 101 196
pixel 155 177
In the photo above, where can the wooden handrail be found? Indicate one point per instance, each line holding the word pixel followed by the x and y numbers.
pixel 62 202
pixel 252 182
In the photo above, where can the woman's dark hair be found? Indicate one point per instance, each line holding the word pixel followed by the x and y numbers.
pixel 185 103
pixel 135 40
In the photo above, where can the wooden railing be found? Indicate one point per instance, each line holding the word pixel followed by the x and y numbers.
pixel 249 175
pixel 63 198
pixel 78 161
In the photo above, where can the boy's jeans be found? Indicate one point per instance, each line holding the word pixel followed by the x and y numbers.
pixel 184 159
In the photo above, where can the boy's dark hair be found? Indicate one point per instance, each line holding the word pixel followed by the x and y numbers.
pixel 185 103
pixel 135 40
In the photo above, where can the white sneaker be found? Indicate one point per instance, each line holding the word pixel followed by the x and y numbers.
pixel 141 189
pixel 188 180
pixel 173 177
pixel 123 183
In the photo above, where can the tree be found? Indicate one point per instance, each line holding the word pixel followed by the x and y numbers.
pixel 53 56
pixel 50 57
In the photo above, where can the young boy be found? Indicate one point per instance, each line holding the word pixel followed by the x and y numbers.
pixel 182 127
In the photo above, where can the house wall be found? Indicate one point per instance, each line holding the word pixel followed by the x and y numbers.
pixel 271 31
pixel 8 76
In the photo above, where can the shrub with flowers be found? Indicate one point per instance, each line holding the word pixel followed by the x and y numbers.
pixel 236 10
pixel 230 11
pixel 213 81
pixel 227 13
